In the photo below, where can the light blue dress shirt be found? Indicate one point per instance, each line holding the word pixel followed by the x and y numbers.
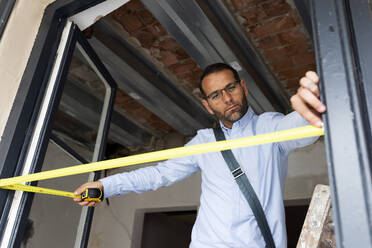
pixel 224 217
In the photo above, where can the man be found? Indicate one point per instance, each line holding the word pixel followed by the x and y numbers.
pixel 224 217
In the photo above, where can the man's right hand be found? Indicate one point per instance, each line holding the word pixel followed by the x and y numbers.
pixel 88 185
pixel 306 101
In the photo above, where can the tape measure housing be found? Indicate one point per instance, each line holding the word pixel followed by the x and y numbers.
pixel 92 194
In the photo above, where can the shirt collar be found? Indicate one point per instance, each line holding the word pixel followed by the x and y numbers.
pixel 241 122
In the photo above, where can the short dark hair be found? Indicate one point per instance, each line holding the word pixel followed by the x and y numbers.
pixel 217 67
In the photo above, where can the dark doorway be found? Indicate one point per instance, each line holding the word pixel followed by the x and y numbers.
pixel 294 217
pixel 168 229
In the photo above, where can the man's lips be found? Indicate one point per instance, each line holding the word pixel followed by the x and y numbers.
pixel 232 107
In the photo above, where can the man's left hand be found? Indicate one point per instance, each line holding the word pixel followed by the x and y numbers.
pixel 306 101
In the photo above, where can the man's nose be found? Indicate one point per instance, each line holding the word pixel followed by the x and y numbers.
pixel 226 97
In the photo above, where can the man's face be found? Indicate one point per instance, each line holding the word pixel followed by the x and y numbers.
pixel 231 103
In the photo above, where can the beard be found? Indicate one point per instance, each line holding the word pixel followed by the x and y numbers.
pixel 233 115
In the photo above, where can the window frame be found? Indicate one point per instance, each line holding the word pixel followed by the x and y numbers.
pixel 23 117
pixel 6 7
pixel 340 41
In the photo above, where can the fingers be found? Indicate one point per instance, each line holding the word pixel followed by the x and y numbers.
pixel 81 189
pixel 306 101
pixel 311 99
pixel 92 204
pixel 312 76
pixel 88 203
pixel 309 84
pixel 88 185
pixel 303 109
pixel 83 203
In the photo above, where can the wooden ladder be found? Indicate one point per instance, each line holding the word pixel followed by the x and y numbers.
pixel 318 228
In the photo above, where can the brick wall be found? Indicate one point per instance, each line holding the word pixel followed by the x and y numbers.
pixel 277 31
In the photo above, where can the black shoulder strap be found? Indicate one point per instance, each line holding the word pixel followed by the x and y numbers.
pixel 247 190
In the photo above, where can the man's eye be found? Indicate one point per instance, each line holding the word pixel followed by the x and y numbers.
pixel 231 87
pixel 214 96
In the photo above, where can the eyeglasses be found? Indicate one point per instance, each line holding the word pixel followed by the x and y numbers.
pixel 229 88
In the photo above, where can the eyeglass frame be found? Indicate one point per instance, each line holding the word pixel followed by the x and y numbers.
pixel 237 82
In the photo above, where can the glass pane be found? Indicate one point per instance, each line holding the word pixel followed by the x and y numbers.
pixel 79 112
pixel 53 220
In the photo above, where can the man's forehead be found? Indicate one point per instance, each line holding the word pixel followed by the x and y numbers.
pixel 220 77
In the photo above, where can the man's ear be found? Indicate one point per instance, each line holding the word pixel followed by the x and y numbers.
pixel 207 107
pixel 244 86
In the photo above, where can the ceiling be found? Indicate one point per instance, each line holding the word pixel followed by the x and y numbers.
pixel 155 51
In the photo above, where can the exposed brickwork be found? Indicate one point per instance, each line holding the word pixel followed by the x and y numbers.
pixel 140 23
pixel 276 29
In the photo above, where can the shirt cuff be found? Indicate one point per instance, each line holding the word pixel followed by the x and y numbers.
pixel 108 187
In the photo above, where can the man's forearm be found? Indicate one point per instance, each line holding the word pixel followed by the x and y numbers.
pixel 148 178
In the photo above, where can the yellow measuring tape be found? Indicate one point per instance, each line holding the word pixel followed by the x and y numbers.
pixel 14 183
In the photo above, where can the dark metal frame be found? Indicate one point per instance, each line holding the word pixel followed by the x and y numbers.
pixel 19 160
pixel 75 37
pixel 106 75
pixel 31 90
pixel 104 72
pixel 303 9
pixel 361 14
pixel 342 32
pixel 22 118
pixel 78 37
pixel 6 7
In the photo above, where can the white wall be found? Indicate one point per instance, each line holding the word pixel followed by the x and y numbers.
pixel 114 225
pixel 307 167
pixel 15 47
